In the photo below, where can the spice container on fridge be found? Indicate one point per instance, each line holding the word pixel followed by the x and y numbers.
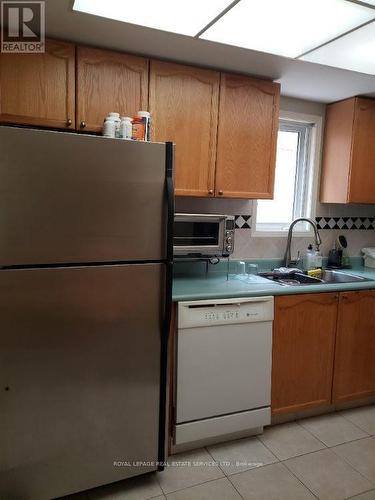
pixel 126 127
pixel 116 118
pixel 146 117
pixel 109 127
pixel 138 129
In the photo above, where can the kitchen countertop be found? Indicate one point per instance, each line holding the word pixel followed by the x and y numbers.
pixel 215 285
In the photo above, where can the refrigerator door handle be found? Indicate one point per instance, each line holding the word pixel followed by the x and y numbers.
pixel 168 301
pixel 170 198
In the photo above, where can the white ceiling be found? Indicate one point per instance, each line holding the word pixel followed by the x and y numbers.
pixel 300 79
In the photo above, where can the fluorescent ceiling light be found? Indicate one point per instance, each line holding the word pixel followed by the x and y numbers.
pixel 354 51
pixel 185 17
pixel 287 27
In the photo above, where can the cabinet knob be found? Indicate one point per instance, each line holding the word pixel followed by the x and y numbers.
pixel 221 193
pixel 210 191
pixel 68 122
pixel 83 124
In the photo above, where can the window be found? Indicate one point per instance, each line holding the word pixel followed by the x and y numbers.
pixel 295 179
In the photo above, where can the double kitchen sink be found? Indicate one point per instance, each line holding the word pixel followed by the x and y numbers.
pixel 299 278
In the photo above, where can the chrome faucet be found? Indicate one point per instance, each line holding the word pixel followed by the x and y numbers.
pixel 318 240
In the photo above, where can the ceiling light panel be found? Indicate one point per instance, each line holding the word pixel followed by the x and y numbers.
pixel 185 17
pixel 287 27
pixel 354 51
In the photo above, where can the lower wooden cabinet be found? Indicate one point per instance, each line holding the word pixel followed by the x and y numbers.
pixel 303 351
pixel 354 375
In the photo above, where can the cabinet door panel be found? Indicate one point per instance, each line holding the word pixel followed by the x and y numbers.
pixel 355 347
pixel 362 174
pixel 247 136
pixel 39 89
pixel 184 107
pixel 303 351
pixel 109 81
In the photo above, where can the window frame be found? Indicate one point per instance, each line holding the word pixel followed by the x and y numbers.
pixel 312 161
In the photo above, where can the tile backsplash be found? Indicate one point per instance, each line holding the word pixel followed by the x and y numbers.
pixel 344 223
pixel 356 222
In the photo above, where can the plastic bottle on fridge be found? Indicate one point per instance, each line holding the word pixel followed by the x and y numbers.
pixel 146 117
pixel 109 127
pixel 138 129
pixel 126 127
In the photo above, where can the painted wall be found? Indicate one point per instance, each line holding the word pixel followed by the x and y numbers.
pixel 248 246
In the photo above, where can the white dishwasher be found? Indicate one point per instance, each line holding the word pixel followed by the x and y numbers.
pixel 224 356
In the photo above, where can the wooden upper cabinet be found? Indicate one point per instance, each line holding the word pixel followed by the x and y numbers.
pixel 39 89
pixel 184 108
pixel 354 376
pixel 303 351
pixel 247 137
pixel 109 81
pixel 348 174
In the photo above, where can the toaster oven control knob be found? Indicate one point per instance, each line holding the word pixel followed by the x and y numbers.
pixel 229 239
pixel 229 248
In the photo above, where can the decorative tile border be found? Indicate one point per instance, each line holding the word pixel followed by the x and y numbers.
pixel 363 223
pixel 344 223
pixel 242 222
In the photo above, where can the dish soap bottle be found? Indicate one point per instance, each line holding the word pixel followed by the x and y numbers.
pixel 318 258
pixel 309 259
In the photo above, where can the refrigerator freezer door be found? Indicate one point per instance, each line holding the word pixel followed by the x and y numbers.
pixel 71 198
pixel 79 372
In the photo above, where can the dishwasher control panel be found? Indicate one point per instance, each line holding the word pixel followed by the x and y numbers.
pixel 224 311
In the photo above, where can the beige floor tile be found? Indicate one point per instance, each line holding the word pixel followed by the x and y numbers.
pixel 272 482
pixel 328 476
pixel 361 455
pixel 242 454
pixel 332 429
pixel 369 495
pixel 362 417
pixel 220 489
pixel 289 440
pixel 136 488
pixel 195 467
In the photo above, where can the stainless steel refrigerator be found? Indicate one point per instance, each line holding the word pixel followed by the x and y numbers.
pixel 85 298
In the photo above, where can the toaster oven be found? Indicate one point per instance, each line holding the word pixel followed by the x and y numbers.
pixel 203 235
